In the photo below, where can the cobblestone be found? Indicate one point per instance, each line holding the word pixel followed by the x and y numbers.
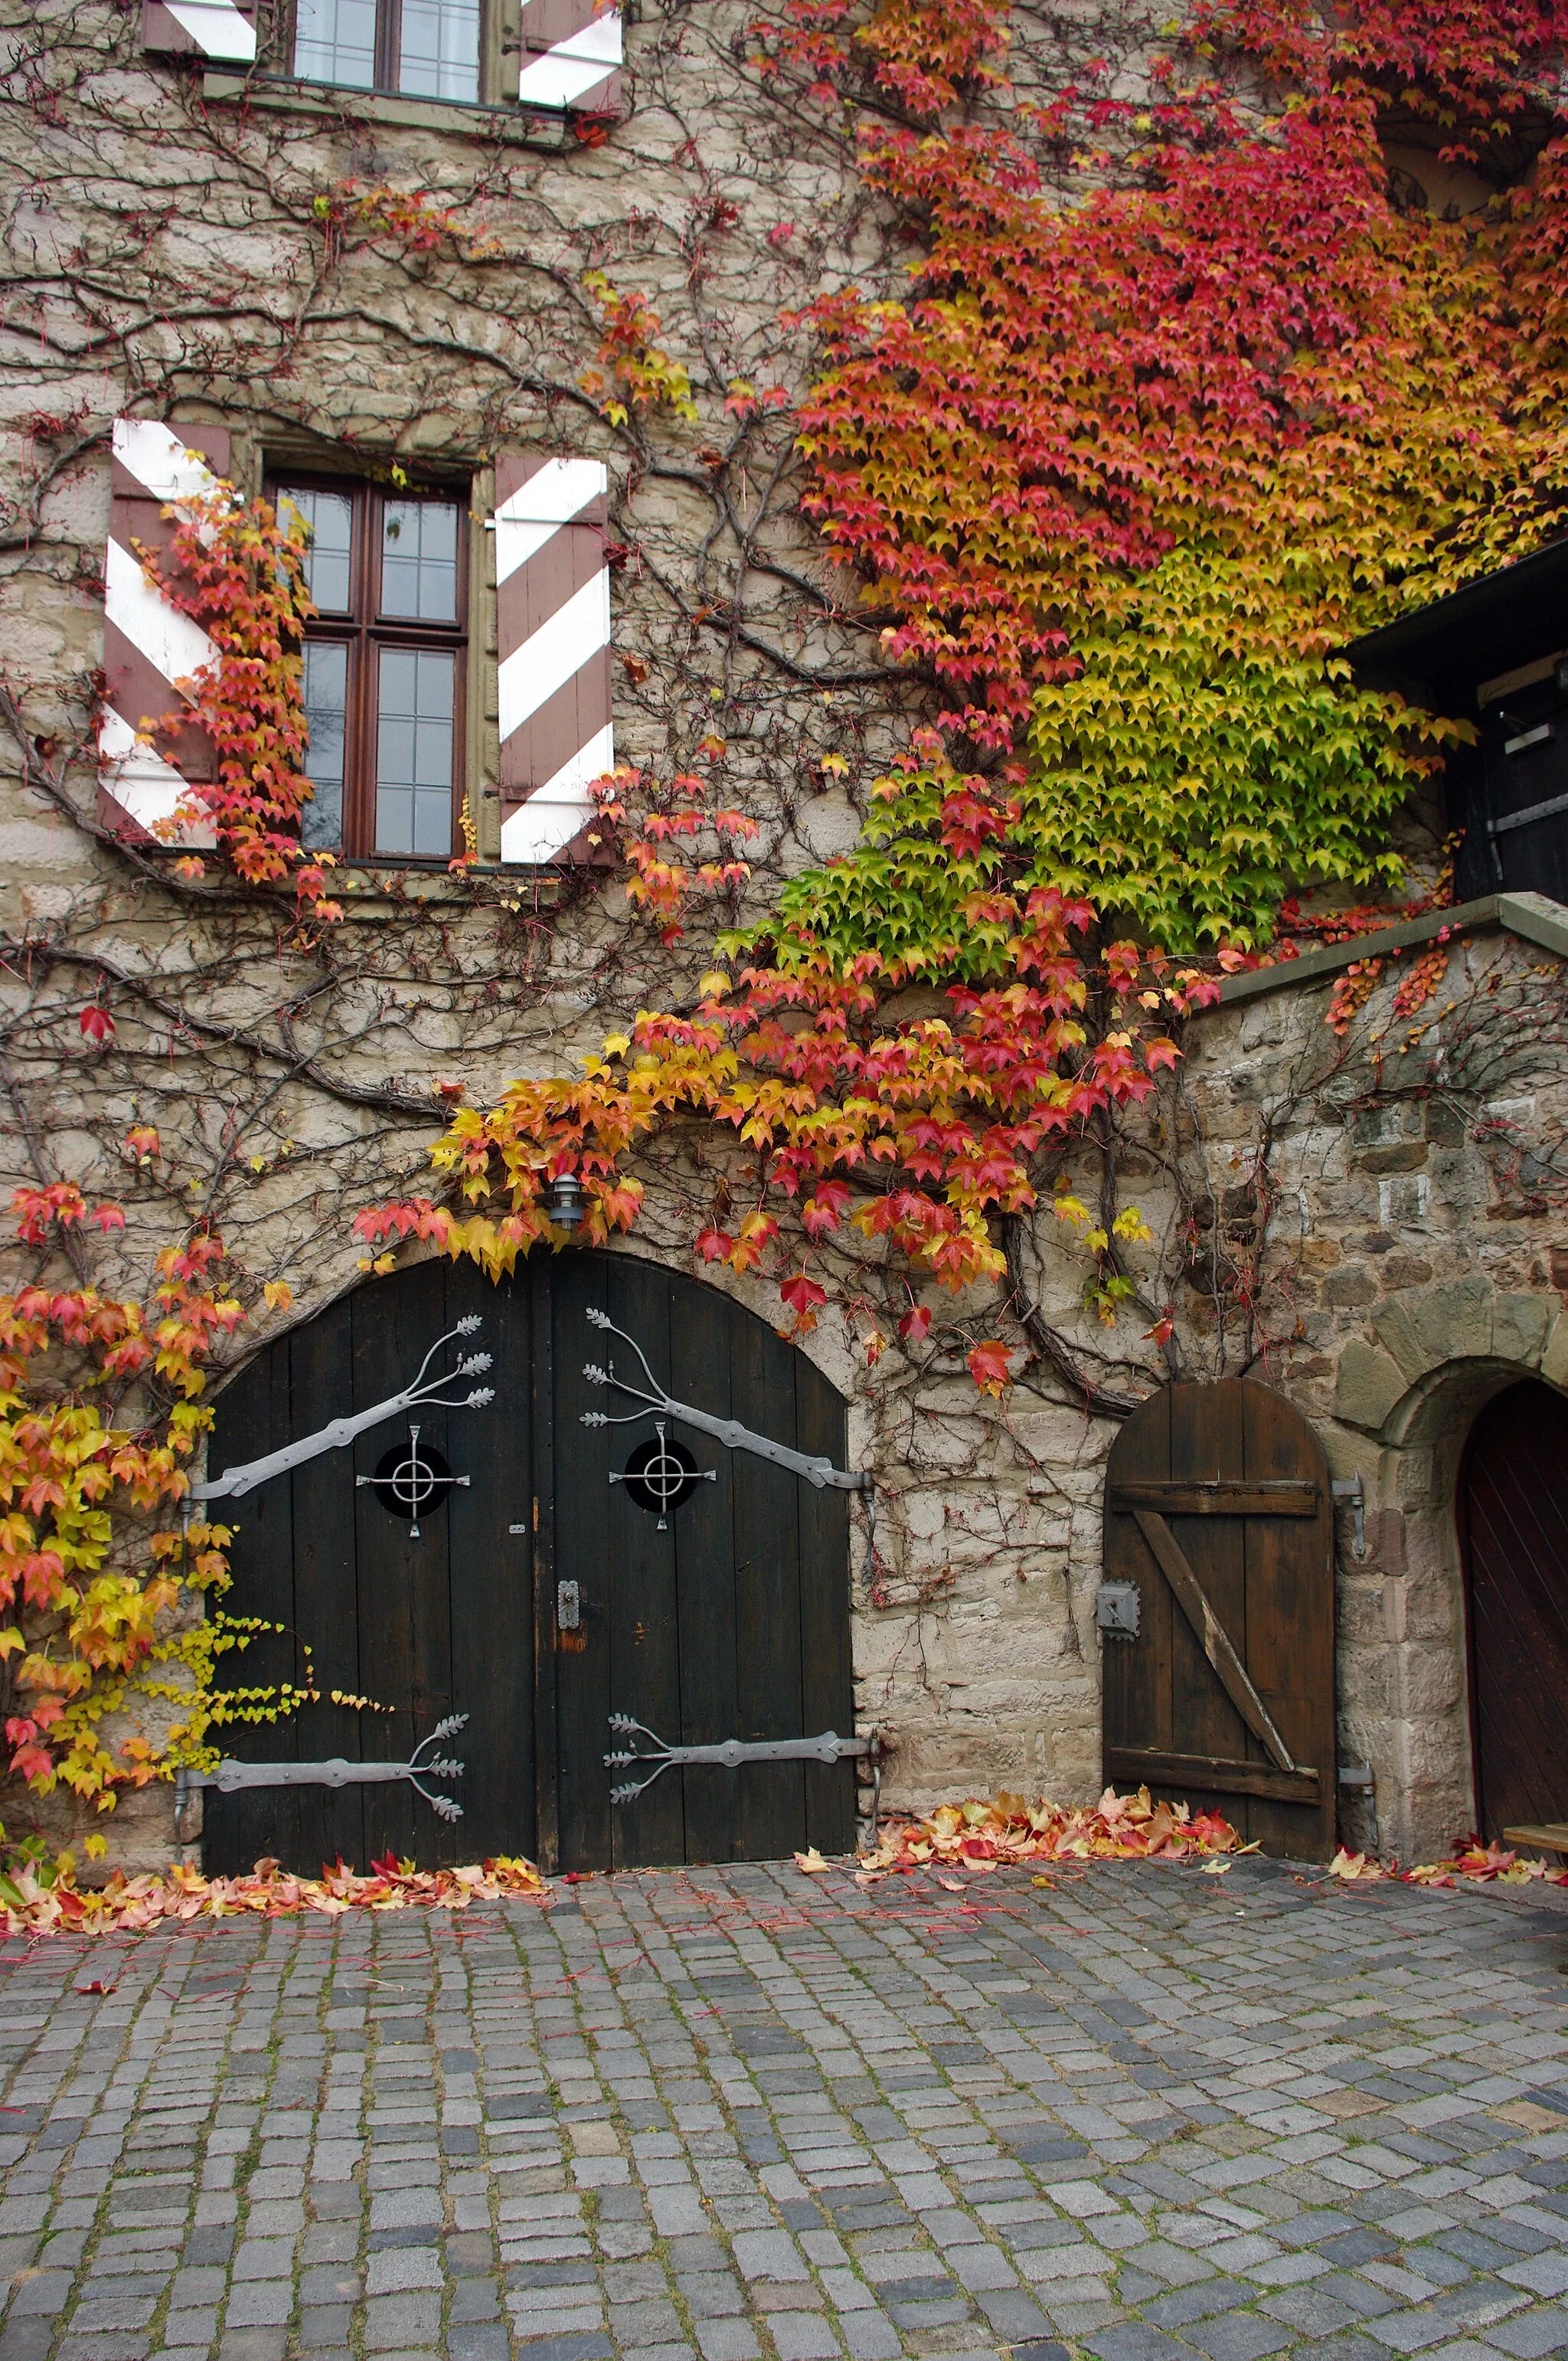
pixel 738 2114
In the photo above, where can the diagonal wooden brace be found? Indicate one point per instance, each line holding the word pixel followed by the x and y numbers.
pixel 1211 1636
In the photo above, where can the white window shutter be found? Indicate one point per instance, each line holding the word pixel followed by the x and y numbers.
pixel 553 646
pixel 224 29
pixel 571 56
pixel 149 644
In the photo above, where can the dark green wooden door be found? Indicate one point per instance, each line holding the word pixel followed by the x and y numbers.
pixel 732 1622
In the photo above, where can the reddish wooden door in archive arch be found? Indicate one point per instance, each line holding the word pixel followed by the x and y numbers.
pixel 1513 1502
pixel 1218 1508
pixel 539 1596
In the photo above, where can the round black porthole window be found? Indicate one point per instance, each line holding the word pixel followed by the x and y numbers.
pixel 411 1478
pixel 660 1475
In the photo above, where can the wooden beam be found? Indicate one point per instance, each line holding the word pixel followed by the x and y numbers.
pixel 1282 1497
pixel 1211 1635
pixel 1210 1775
pixel 1551 1834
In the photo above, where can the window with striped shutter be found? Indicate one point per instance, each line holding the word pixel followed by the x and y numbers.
pixel 553 646
pixel 148 645
pixel 571 56
pixel 201 28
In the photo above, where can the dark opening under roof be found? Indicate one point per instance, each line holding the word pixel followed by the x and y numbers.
pixel 1438 655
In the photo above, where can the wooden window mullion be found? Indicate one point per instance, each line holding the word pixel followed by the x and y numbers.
pixel 388 42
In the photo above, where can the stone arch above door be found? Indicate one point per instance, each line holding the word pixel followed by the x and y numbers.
pixel 1425 1330
pixel 1406 1400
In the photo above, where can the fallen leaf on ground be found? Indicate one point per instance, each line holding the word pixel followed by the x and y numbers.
pixel 811 1862
pixel 184 1897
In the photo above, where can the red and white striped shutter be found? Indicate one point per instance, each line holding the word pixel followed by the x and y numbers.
pixel 224 30
pixel 571 56
pixel 148 645
pixel 553 643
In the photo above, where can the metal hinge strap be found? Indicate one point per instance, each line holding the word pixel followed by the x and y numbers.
pixel 726 1754
pixel 728 1431
pixel 231 1778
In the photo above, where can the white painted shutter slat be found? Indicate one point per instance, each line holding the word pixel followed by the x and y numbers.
pixel 148 644
pixel 571 56
pixel 553 649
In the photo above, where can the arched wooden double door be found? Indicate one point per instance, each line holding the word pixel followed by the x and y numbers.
pixel 1513 1507
pixel 727 1617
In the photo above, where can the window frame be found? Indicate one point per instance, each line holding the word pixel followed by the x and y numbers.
pixel 389 38
pixel 366 634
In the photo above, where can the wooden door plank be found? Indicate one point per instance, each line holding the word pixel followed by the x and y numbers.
pixel 1293 1497
pixel 767 1594
pixel 1207 1445
pixel 585 1539
pixel 643 1638
pixel 319 1358
pixel 540 1516
pixel 251 1416
pixel 394 1326
pixel 1138 1675
pixel 700 1323
pixel 828 1688
pixel 1290 1620
pixel 490 1558
pixel 1213 1637
pixel 1185 1774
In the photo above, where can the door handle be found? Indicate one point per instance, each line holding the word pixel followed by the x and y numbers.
pixel 569 1606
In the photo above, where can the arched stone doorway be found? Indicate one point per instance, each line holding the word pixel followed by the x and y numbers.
pixel 1513 1528
pixel 544 1592
pixel 1407 1400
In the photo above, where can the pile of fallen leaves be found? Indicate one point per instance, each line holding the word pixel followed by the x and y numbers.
pixel 35 1900
pixel 1007 1831
pixel 1483 1864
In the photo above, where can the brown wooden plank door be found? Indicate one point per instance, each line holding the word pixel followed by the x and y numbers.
pixel 1513 1507
pixel 1218 1508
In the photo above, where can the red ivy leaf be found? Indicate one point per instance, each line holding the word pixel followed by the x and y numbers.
pixel 802 1294
pixel 988 1367
pixel 97 1024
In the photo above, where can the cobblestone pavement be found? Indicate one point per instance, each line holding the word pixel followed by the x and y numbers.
pixel 1150 2114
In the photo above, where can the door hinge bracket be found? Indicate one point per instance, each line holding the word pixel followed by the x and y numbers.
pixel 726 1754
pixel 728 1431
pixel 231 1778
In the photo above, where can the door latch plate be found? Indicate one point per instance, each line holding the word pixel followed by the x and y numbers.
pixel 1118 1609
pixel 569 1606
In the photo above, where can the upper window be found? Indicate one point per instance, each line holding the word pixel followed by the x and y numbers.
pixel 383 666
pixel 423 49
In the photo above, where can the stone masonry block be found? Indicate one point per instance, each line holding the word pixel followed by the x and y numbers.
pixel 1519 1327
pixel 1433 1324
pixel 1368 1385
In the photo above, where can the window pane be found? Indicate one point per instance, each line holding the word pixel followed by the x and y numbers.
pixel 327 713
pixel 328 520
pixel 440 49
pixel 414 750
pixel 334 41
pixel 419 560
